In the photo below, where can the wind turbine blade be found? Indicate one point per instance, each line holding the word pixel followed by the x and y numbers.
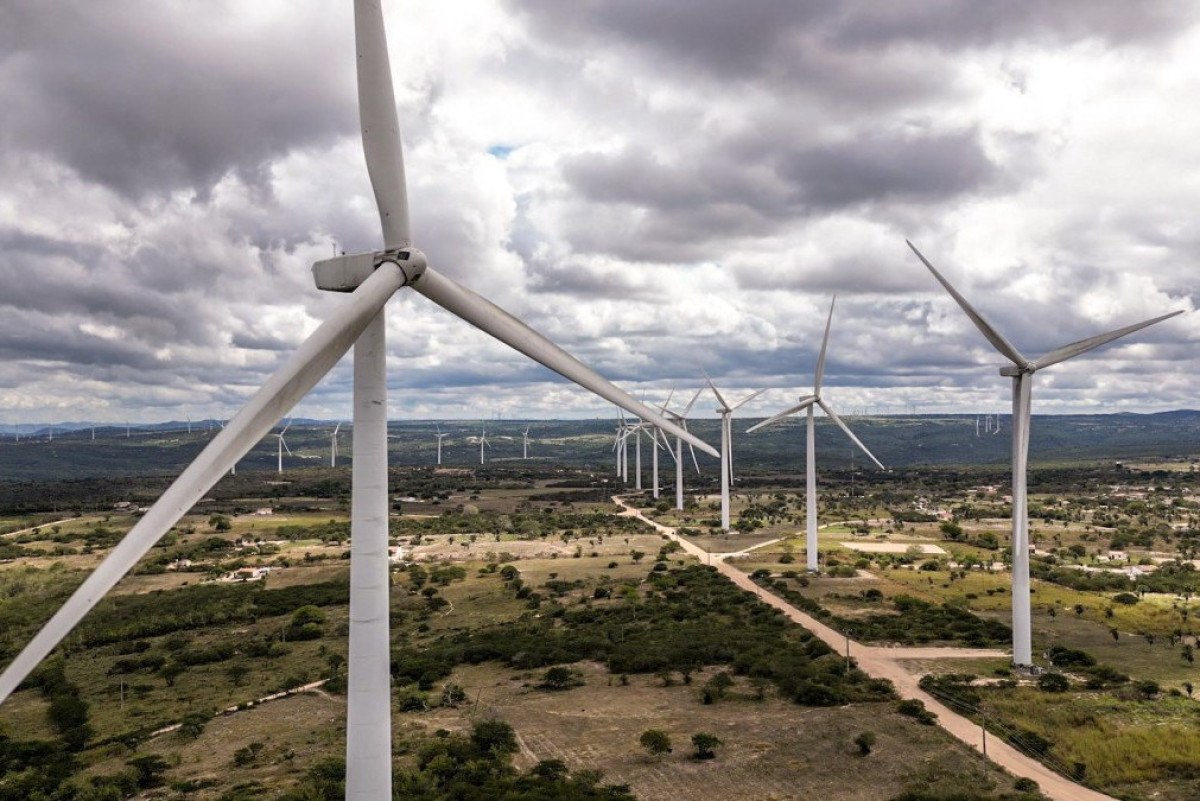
pixel 286 426
pixel 690 448
pixel 987 329
pixel 691 403
pixel 849 433
pixel 819 375
pixel 747 399
pixel 667 402
pixel 1084 345
pixel 801 406
pixel 716 392
pixel 489 317
pixel 308 365
pixel 286 449
pixel 380 127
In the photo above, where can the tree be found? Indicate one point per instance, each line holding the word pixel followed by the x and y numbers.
pixel 453 695
pixel 220 523
pixel 192 725
pixel 494 736
pixel 149 768
pixel 172 671
pixel 636 556
pixel 720 683
pixel 865 741
pixel 560 678
pixel 705 745
pixel 656 742
pixel 237 673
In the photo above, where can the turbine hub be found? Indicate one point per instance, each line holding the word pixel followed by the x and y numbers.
pixel 345 273
pixel 1014 370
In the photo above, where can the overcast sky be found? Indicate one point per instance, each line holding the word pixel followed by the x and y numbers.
pixel 662 187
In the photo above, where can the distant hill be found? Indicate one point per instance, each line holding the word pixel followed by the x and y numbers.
pixel 898 441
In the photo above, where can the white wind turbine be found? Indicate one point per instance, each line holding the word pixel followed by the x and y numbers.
pixel 810 466
pixel 371 278
pixel 440 435
pixel 726 411
pixel 525 443
pixel 282 445
pixel 680 419
pixel 483 443
pixel 333 452
pixel 1021 372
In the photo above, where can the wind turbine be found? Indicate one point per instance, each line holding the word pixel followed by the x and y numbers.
pixel 680 419
pixel 726 411
pixel 810 467
pixel 525 443
pixel 282 445
pixel 1021 372
pixel 439 439
pixel 371 278
pixel 333 446
pixel 483 442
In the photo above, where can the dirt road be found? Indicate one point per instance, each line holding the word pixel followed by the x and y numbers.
pixel 882 663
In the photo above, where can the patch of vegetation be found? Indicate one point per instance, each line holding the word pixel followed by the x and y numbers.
pixel 690 618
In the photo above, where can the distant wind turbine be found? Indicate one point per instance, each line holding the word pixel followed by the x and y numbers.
pixel 483 443
pixel 440 435
pixel 333 452
pixel 810 467
pixel 726 411
pixel 525 443
pixel 282 445
pixel 680 419
pixel 1021 372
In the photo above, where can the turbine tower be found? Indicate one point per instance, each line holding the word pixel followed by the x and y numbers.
pixel 483 443
pixel 810 466
pixel 439 440
pixel 1021 372
pixel 371 278
pixel 282 445
pixel 680 419
pixel 726 411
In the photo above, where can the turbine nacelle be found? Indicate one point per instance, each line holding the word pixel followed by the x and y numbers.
pixel 345 273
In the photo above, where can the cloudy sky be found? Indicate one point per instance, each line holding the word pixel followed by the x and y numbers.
pixel 661 186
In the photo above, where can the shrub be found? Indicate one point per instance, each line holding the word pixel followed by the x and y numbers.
pixel 1053 683
pixel 865 741
pixel 705 745
pixel 656 742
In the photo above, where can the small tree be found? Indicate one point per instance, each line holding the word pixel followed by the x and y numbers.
pixel 220 523
pixel 865 741
pixel 237 673
pixel 560 678
pixel 453 695
pixel 192 725
pixel 656 742
pixel 705 745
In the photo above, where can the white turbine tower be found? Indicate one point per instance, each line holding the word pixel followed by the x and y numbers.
pixel 371 278
pixel 333 446
pixel 677 452
pixel 1021 372
pixel 525 443
pixel 483 443
pixel 811 443
pixel 282 445
pixel 440 435
pixel 726 411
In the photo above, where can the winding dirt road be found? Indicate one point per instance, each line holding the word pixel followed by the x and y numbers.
pixel 882 663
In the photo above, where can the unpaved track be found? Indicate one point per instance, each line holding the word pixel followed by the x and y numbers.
pixel 881 663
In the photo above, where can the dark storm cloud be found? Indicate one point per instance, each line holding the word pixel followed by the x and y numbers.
pixel 979 23
pixel 879 168
pixel 741 40
pixel 128 96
